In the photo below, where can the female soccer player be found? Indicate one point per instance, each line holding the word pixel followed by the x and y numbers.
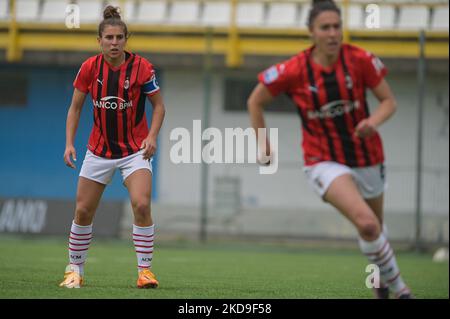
pixel 119 83
pixel 343 153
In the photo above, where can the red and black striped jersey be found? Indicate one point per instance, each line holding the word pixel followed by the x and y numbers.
pixel 331 102
pixel 118 97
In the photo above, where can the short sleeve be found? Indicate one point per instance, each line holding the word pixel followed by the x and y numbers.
pixel 279 78
pixel 373 70
pixel 84 77
pixel 147 78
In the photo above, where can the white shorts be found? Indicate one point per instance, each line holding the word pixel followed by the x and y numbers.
pixel 370 180
pixel 102 170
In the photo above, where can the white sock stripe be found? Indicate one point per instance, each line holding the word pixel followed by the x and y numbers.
pixel 81 226
pixel 141 246
pixel 144 227
pixel 72 233
pixel 75 246
pixel 385 260
pixel 79 242
pixel 379 251
pixel 140 236
pixel 145 241
pixel 377 259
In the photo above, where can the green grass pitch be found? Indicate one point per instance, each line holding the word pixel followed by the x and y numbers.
pixel 33 267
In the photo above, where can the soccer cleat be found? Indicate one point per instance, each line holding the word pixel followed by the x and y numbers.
pixel 406 296
pixel 381 293
pixel 405 293
pixel 147 279
pixel 72 278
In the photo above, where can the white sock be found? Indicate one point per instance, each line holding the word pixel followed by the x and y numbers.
pixel 79 240
pixel 379 252
pixel 143 244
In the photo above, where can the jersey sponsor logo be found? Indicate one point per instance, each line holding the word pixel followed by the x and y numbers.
pixel 112 103
pixel 334 109
pixel 270 75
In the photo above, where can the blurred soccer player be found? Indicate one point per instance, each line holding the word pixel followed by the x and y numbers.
pixel 119 83
pixel 343 153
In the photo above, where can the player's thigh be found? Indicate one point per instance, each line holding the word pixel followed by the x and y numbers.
pixel 343 194
pixel 139 185
pixel 89 193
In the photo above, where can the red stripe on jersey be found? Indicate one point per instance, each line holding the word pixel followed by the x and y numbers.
pixel 311 141
pixel 120 123
pixel 329 123
pixel 350 117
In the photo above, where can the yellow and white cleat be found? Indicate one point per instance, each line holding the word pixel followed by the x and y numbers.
pixel 72 278
pixel 147 279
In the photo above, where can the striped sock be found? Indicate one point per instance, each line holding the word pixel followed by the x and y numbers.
pixel 143 244
pixel 379 252
pixel 79 240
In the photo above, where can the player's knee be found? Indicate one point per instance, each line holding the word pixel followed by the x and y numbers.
pixel 141 207
pixel 369 228
pixel 83 215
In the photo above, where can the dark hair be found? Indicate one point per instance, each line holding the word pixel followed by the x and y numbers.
pixel 111 16
pixel 319 6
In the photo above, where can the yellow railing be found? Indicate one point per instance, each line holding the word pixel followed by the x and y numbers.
pixel 232 41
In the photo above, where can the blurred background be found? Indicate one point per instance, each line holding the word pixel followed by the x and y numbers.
pixel 207 54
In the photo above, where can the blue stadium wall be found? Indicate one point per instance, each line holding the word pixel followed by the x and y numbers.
pixel 32 139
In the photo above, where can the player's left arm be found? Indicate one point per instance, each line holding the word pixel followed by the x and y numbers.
pixel 149 143
pixel 383 112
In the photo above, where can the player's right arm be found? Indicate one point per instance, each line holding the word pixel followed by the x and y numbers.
pixel 259 98
pixel 271 82
pixel 73 118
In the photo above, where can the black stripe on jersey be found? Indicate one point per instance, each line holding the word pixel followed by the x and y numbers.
pixel 350 94
pixel 97 111
pixel 140 109
pixel 112 131
pixel 312 84
pixel 303 119
pixel 125 112
pixel 332 90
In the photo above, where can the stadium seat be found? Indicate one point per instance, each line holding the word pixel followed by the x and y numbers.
pixel 250 14
pixel 53 11
pixel 304 13
pixel 413 17
pixel 440 19
pixel 282 15
pixel 184 12
pixel 387 17
pixel 27 10
pixel 4 10
pixel 90 11
pixel 128 11
pixel 151 12
pixel 216 13
pixel 356 17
